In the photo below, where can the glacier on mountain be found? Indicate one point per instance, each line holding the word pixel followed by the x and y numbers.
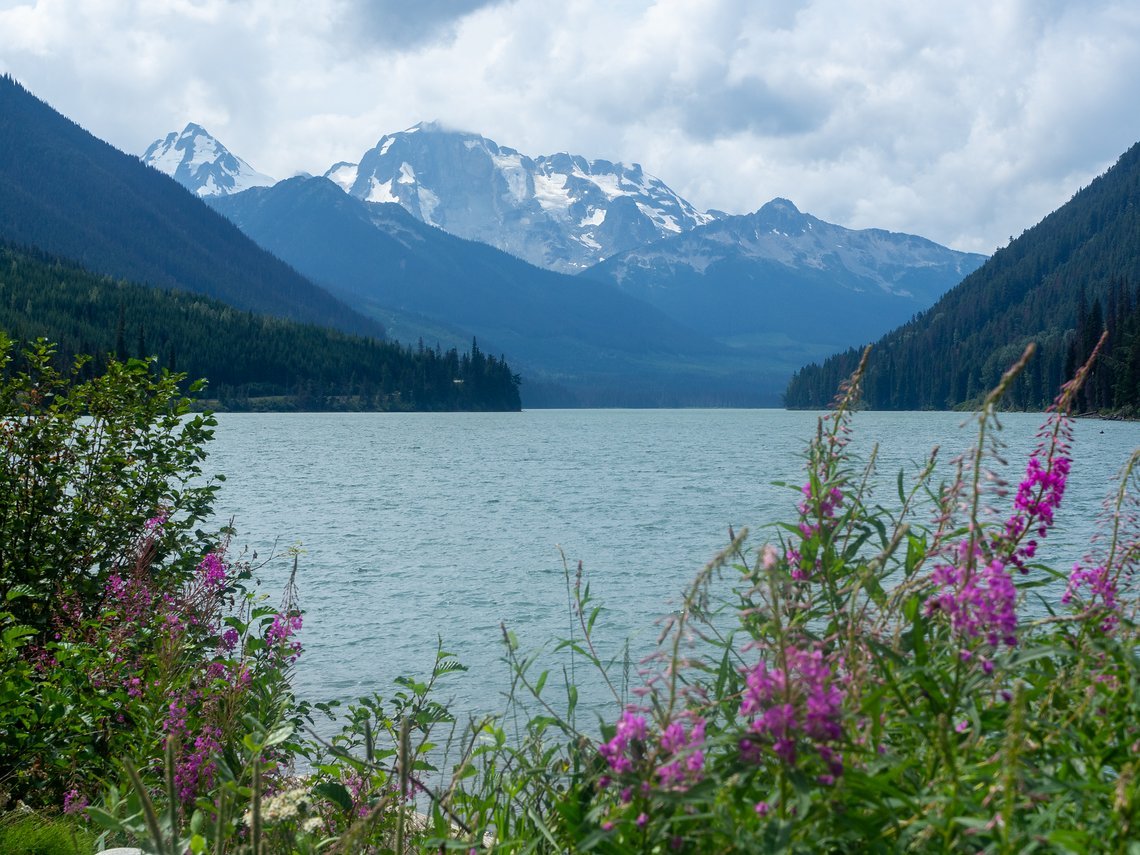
pixel 560 211
pixel 201 164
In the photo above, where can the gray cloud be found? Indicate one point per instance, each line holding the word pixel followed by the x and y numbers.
pixel 963 122
pixel 749 106
pixel 408 23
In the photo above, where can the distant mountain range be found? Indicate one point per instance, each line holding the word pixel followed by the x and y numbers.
pixel 1059 284
pixel 760 278
pixel 741 293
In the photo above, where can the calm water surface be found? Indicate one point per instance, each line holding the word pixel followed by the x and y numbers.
pixel 416 526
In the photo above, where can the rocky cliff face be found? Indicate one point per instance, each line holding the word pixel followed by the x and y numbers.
pixel 561 211
pixel 200 163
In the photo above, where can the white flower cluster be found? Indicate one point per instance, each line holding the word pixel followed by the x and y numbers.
pixel 283 806
pixel 312 825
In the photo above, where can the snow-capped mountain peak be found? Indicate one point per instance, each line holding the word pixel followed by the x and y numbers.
pixel 197 161
pixel 559 211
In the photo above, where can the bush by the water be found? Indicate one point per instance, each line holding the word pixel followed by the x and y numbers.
pixel 864 678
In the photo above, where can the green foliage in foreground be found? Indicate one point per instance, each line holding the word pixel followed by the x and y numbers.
pixel 32 834
pixel 253 361
pixel 864 680
pixel 83 466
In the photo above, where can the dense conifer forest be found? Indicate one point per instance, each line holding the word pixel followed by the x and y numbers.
pixel 251 361
pixel 1059 284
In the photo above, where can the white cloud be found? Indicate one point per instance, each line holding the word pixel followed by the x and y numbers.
pixel 963 122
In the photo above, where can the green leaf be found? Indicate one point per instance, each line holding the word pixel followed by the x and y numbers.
pixel 334 792
pixel 1070 840
pixel 106 820
pixel 593 617
pixel 14 635
pixel 279 735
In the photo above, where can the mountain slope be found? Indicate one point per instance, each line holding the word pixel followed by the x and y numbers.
pixel 560 212
pixel 758 281
pixel 553 327
pixel 72 195
pixel 1045 287
pixel 250 360
pixel 201 164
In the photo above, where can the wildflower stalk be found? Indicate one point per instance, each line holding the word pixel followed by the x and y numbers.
pixel 404 767
pixel 1015 738
pixel 255 807
pixel 171 788
pixel 688 606
pixel 1120 556
pixel 154 828
pixel 985 417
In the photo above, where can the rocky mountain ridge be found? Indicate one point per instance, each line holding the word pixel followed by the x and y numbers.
pixel 201 164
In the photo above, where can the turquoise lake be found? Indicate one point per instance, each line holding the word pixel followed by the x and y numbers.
pixel 419 526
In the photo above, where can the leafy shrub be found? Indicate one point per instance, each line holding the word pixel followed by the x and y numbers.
pixel 122 625
pixel 83 465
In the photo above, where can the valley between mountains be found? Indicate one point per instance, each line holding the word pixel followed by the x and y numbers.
pixel 600 284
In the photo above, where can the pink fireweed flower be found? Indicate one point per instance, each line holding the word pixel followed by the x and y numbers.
pixel 230 638
pixel 358 788
pixel 828 504
pixel 632 726
pixel 74 802
pixel 1038 497
pixel 281 631
pixel 283 628
pixel 801 699
pixel 175 722
pixel 195 769
pixel 685 753
pixel 629 727
pixel 1101 594
pixel 981 603
pixel 212 570
pixel 673 738
pixel 679 752
pixel 131 598
pixel 671 774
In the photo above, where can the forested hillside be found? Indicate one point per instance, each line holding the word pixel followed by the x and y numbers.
pixel 1058 284
pixel 72 195
pixel 251 361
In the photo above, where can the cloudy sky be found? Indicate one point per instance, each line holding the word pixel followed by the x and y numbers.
pixel 965 122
